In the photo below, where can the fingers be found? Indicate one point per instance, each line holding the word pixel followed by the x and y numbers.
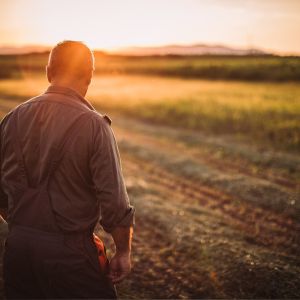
pixel 118 277
pixel 119 268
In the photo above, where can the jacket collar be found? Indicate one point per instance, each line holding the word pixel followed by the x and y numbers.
pixel 69 92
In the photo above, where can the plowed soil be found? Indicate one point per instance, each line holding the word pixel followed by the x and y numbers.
pixel 208 226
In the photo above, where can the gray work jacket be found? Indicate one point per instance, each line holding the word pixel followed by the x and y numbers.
pixel 88 185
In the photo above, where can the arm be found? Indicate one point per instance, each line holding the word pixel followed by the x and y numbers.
pixel 3 212
pixel 3 198
pixel 122 237
pixel 120 264
pixel 3 203
pixel 117 215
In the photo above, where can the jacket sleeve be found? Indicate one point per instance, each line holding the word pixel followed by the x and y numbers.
pixel 108 179
pixel 3 196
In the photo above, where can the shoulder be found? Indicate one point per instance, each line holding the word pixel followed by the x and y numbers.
pixel 100 126
pixel 100 120
pixel 6 119
pixel 19 107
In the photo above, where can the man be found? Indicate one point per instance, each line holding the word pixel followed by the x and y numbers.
pixel 60 175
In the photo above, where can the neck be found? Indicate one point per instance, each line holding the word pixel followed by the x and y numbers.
pixel 79 88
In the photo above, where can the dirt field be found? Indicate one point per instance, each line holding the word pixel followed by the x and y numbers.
pixel 215 217
pixel 207 227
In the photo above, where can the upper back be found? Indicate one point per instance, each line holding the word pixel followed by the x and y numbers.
pixel 43 122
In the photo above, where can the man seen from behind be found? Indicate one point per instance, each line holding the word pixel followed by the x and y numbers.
pixel 60 176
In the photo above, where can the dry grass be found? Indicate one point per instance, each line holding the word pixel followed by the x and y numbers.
pixel 263 113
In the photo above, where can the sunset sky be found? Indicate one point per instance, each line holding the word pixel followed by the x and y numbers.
pixel 267 24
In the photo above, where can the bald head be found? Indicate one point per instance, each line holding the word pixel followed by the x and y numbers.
pixel 70 61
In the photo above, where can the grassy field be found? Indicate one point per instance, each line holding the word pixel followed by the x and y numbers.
pixel 259 113
pixel 213 169
pixel 245 68
pixel 206 67
pixel 265 113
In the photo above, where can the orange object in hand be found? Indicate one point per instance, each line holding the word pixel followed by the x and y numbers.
pixel 103 261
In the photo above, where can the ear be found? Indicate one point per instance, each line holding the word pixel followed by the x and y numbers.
pixel 48 72
pixel 89 79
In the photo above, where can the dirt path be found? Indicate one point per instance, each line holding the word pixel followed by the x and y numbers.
pixel 259 225
pixel 206 241
pixel 191 242
pixel 233 175
pixel 217 151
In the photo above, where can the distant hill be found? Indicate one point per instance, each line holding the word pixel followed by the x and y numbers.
pixel 198 49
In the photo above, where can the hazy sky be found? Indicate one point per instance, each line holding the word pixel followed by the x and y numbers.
pixel 267 24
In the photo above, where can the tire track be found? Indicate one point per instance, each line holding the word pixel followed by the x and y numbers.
pixel 223 165
pixel 259 226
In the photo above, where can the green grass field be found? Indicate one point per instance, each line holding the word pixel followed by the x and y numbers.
pixel 266 114
pixel 206 67
pixel 246 68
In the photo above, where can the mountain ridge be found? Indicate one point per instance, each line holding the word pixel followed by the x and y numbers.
pixel 193 49
pixel 172 49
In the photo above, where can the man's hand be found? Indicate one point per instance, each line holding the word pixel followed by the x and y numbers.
pixel 120 264
pixel 119 267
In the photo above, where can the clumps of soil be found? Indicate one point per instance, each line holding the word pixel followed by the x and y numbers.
pixel 245 278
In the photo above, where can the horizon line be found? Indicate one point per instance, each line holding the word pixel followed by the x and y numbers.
pixel 120 49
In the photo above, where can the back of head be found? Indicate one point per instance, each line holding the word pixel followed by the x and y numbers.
pixel 71 60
